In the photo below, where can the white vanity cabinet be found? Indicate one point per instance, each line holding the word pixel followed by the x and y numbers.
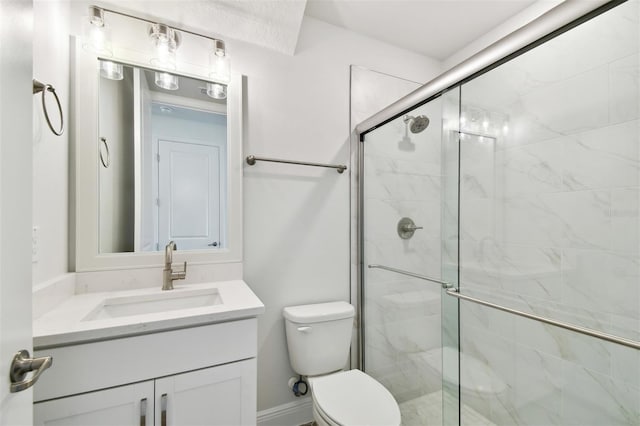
pixel 204 375
pixel 122 405
pixel 213 396
pixel 222 395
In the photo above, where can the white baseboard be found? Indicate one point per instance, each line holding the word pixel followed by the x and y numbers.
pixel 290 414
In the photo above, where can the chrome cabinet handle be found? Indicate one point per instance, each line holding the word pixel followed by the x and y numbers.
pixel 21 365
pixel 143 412
pixel 163 407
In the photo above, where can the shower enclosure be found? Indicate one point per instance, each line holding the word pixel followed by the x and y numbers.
pixel 517 186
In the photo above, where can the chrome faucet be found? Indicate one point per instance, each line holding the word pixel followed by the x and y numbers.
pixel 168 276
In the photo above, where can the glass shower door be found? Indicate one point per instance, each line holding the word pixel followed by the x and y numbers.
pixel 549 206
pixel 403 264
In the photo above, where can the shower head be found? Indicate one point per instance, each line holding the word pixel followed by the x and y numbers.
pixel 417 124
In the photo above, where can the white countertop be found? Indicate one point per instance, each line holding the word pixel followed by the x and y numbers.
pixel 67 323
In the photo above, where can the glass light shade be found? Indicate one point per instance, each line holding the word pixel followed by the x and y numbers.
pixel 219 66
pixel 96 38
pixel 216 91
pixel 167 81
pixel 111 70
pixel 165 40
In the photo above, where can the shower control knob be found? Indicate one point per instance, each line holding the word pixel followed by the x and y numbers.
pixel 406 228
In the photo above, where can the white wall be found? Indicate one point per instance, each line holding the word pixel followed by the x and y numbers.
pixel 16 20
pixel 50 152
pixel 115 109
pixel 296 219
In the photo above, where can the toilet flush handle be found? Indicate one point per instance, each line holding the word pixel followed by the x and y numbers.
pixel 304 329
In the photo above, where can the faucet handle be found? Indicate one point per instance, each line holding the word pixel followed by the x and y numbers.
pixel 180 275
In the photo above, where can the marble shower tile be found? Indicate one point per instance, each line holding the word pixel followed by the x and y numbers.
pixel 568 219
pixel 528 272
pixel 477 165
pixel 625 220
pixel 381 218
pixel 625 364
pixel 531 220
pixel 591 398
pixel 559 343
pixel 624 89
pixel 600 281
pixel 538 389
pixel 477 219
pixel 402 187
pixel 530 169
pixel 607 157
pixel 562 107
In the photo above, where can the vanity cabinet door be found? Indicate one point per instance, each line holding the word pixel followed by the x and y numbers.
pixel 222 395
pixel 122 405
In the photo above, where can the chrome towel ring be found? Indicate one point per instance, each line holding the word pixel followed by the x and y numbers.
pixel 44 88
pixel 105 156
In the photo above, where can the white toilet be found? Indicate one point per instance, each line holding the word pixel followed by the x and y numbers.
pixel 318 338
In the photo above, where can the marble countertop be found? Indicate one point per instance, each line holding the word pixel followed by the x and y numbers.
pixel 74 321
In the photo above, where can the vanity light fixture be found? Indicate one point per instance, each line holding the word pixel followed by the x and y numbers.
pixel 166 41
pixel 167 81
pixel 219 69
pixel 216 91
pixel 111 70
pixel 96 36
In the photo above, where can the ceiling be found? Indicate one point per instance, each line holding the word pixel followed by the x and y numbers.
pixel 435 28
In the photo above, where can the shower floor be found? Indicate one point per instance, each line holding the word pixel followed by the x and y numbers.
pixel 426 410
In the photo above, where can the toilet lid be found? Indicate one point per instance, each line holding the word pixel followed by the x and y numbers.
pixel 354 398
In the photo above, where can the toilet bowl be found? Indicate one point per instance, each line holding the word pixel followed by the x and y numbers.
pixel 352 398
pixel 318 340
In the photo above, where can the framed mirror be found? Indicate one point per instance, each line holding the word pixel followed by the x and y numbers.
pixel 157 158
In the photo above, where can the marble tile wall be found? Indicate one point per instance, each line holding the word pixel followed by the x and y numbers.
pixel 549 223
pixel 402 176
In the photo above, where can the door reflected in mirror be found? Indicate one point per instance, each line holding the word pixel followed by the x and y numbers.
pixel 162 163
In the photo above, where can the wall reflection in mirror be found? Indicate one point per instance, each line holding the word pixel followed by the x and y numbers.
pixel 162 161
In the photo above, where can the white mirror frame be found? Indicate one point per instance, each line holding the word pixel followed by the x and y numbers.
pixel 84 195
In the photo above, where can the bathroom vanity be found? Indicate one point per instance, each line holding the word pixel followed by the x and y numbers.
pixel 148 357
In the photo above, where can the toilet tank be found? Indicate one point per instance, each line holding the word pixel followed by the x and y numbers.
pixel 318 336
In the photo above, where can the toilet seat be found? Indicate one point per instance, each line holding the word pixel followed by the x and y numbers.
pixel 354 398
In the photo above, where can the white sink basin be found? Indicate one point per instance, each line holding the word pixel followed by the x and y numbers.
pixel 117 307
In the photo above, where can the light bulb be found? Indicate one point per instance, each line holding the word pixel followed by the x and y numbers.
pixel 166 40
pixel 219 65
pixel 111 70
pixel 216 91
pixel 96 36
pixel 166 81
